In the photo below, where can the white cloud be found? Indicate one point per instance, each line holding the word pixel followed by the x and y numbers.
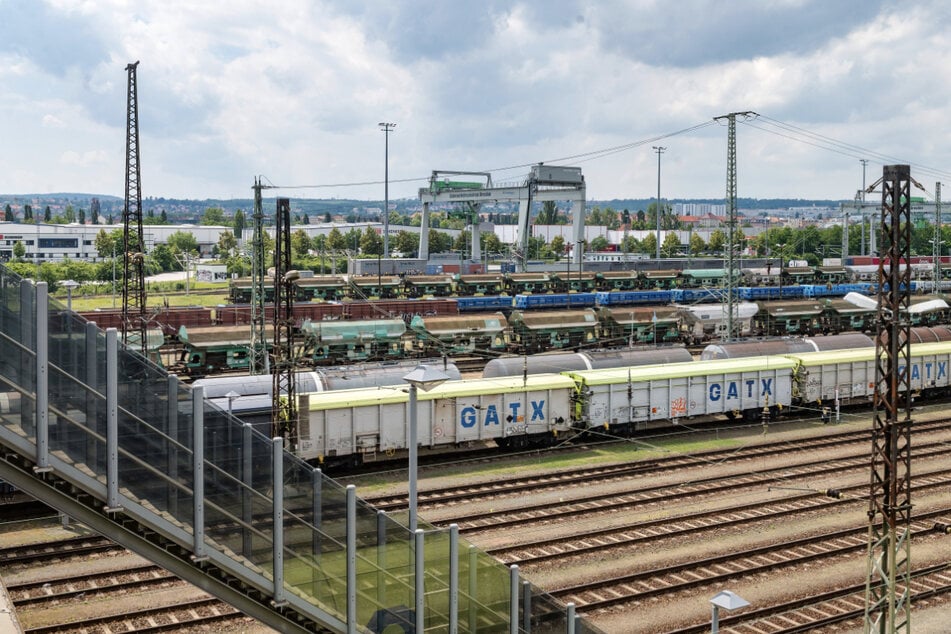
pixel 294 91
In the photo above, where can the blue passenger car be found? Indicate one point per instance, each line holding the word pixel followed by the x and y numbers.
pixel 557 300
pixel 631 298
pixel 489 303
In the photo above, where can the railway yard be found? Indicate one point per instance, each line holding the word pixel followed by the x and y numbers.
pixel 638 534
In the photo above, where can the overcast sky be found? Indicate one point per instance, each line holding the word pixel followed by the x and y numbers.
pixel 293 91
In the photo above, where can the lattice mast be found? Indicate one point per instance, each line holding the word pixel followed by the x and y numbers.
pixel 134 318
pixel 936 251
pixel 258 360
pixel 284 364
pixel 731 215
pixel 888 602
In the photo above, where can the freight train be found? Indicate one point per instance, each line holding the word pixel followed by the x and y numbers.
pixel 351 426
pixel 209 350
pixel 353 287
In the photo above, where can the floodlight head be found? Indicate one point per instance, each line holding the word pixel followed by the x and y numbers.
pixel 292 276
pixel 729 600
pixel 426 377
pixel 929 306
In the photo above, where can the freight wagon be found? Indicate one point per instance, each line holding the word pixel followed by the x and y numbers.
pixel 350 426
pixel 624 400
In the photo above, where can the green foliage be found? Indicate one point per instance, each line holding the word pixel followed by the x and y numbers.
pixel 439 242
pixel 671 245
pixel 697 245
pixel 649 244
pixel 557 247
pixel 183 242
pixel 717 241
pixel 227 243
pixel 163 259
pixel 300 243
pixel 336 240
pixel 406 243
pixel 19 250
pixel 548 215
pixel 371 243
pixel 8 213
pixel 237 223
pixel 599 243
pixel 109 243
pixel 213 216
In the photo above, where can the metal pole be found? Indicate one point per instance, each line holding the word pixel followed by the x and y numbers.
pixel 571 618
pixel 715 620
pixel 42 379
pixel 419 572
pixel 277 483
pixel 112 419
pixel 387 128
pixel 352 559
pixel 453 579
pixel 198 471
pixel 513 599
pixel 413 459
pixel 660 150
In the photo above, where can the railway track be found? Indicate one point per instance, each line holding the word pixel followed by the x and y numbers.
pixel 839 607
pixel 720 569
pixel 583 542
pixel 63 549
pixel 91 586
pixel 459 494
pixel 170 618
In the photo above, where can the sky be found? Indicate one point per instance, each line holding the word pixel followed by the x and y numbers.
pixel 294 90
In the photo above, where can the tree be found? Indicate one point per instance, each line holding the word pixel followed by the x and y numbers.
pixel 163 258
pixel 439 242
pixel 557 246
pixel 697 245
pixel 371 243
pixel 27 213
pixel 69 214
pixel 227 243
pixel 671 245
pixel 548 215
pixel 8 214
pixel 406 243
pixel 717 241
pixel 649 243
pixel 306 220
pixel 94 213
pixel 335 240
pixel 213 216
pixel 327 218
pixel 490 242
pixel 47 214
pixel 599 243
pixel 238 223
pixel 163 217
pixel 182 242
pixel 300 243
pixel 630 244
pixel 82 216
pixel 19 250
pixel 109 243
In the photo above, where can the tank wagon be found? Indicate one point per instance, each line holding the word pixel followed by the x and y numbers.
pixel 251 400
pixel 786 345
pixel 556 362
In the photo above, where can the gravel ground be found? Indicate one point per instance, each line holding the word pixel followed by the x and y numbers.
pixel 648 616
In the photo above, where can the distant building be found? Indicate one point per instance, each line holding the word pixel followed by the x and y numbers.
pixel 699 209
